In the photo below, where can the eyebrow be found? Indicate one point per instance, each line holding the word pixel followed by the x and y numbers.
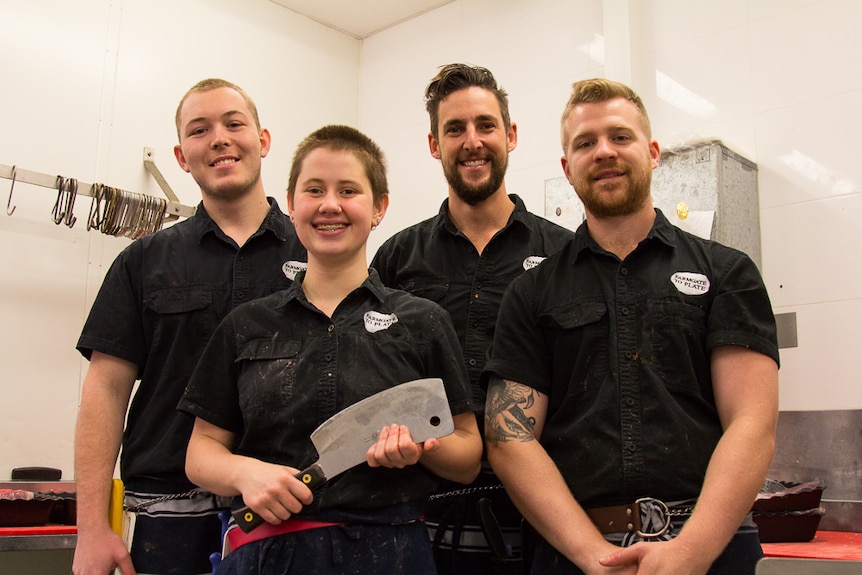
pixel 319 181
pixel 479 118
pixel 228 114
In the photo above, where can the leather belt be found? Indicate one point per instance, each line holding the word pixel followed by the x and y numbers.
pixel 627 518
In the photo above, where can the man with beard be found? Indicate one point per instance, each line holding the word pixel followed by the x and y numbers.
pixel 464 258
pixel 633 382
pixel 156 310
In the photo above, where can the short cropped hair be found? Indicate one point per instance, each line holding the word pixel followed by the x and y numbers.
pixel 343 138
pixel 454 77
pixel 597 90
pixel 213 84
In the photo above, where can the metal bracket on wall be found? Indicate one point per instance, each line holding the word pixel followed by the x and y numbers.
pixel 150 165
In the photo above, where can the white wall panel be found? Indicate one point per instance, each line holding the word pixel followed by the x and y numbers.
pixel 87 85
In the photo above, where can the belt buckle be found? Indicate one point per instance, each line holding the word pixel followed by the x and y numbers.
pixel 663 509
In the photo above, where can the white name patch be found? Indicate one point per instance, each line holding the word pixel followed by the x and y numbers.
pixel 291 268
pixel 690 283
pixel 376 321
pixel 532 261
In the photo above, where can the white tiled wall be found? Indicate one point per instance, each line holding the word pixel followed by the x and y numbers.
pixel 778 81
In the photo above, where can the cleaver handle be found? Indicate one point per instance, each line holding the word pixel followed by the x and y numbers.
pixel 247 519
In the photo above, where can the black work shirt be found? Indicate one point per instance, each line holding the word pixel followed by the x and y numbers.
pixel 158 306
pixel 278 367
pixel 434 260
pixel 622 350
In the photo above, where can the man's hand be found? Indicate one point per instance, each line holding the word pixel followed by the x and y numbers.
pixel 100 552
pixel 659 557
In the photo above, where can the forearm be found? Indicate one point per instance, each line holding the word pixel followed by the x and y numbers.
pixel 212 466
pixel 98 436
pixel 735 475
pixel 459 455
pixel 539 491
pixel 746 390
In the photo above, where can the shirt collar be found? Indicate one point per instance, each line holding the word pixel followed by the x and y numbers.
pixel 275 222
pixel 372 284
pixel 662 230
pixel 519 214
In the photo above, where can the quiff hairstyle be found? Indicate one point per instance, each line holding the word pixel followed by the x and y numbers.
pixel 454 77
pixel 213 84
pixel 343 138
pixel 596 90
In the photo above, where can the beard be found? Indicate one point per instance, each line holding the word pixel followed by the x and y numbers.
pixel 473 194
pixel 602 201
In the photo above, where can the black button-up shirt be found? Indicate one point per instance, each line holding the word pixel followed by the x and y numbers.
pixel 434 260
pixel 158 306
pixel 278 367
pixel 622 349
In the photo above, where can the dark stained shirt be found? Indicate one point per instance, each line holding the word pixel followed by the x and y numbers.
pixel 434 260
pixel 622 350
pixel 278 367
pixel 158 306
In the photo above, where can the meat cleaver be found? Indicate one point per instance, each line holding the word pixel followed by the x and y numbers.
pixel 342 440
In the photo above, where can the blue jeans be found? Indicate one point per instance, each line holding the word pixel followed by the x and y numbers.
pixel 342 550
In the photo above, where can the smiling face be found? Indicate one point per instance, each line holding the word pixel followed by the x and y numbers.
pixel 609 158
pixel 220 144
pixel 333 206
pixel 473 143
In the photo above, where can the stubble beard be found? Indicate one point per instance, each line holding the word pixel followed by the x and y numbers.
pixel 596 202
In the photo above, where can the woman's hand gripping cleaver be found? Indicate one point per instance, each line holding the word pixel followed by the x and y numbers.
pixel 342 440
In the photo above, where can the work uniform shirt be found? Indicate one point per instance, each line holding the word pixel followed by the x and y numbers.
pixel 434 260
pixel 278 367
pixel 158 306
pixel 622 350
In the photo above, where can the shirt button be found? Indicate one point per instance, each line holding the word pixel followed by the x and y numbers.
pixel 629 401
pixel 328 357
pixel 330 329
pixel 472 362
pixel 625 311
pixel 624 271
pixel 631 446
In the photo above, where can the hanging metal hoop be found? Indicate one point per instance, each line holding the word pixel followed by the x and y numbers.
pixel 9 201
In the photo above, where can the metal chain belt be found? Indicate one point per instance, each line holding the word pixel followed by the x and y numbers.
pixel 141 506
pixel 465 491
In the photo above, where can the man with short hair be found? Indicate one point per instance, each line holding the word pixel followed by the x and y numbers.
pixel 464 258
pixel 158 305
pixel 633 383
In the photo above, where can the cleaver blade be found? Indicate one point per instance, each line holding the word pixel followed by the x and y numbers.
pixel 342 440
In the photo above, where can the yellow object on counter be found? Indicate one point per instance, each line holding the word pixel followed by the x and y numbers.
pixel 115 507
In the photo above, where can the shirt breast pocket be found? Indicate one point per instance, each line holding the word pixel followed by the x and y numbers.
pixel 434 290
pixel 186 311
pixel 266 379
pixel 578 335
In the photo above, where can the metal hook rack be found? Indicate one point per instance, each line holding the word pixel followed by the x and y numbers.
pixel 173 209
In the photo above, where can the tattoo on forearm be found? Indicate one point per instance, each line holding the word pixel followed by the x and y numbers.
pixel 505 412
